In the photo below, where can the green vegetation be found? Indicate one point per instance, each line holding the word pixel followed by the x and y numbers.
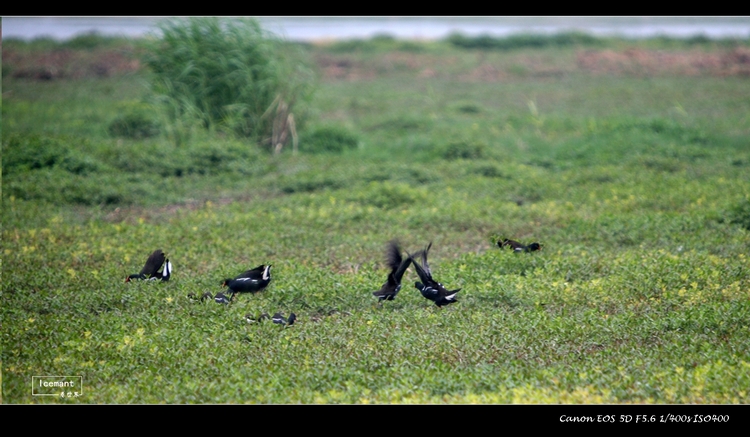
pixel 333 139
pixel 225 74
pixel 580 39
pixel 514 42
pixel 633 175
pixel 136 121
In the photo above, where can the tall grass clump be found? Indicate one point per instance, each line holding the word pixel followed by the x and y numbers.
pixel 228 75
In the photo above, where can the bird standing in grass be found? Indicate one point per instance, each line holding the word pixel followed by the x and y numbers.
pixel 206 296
pixel 251 281
pixel 222 298
pixel 398 266
pixel 430 288
pixel 279 319
pixel 150 270
pixel 518 247
pixel 256 319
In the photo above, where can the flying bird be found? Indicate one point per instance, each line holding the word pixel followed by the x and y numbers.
pixel 398 266
pixel 430 288
pixel 150 270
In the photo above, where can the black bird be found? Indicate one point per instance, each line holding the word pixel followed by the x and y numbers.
pixel 533 247
pixel 430 288
pixel 398 267
pixel 518 247
pixel 251 281
pixel 252 319
pixel 222 298
pixel 206 296
pixel 150 270
pixel 281 320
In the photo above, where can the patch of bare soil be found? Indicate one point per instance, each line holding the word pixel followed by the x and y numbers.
pixel 79 64
pixel 487 73
pixel 349 68
pixel 735 62
pixel 342 68
pixel 630 62
pixel 69 64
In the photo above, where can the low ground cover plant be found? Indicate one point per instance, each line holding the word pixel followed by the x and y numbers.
pixel 636 184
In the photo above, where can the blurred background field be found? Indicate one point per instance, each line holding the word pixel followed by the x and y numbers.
pixel 626 158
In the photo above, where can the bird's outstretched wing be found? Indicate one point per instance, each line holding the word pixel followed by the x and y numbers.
pixel 256 273
pixel 424 260
pixel 393 256
pixel 423 274
pixel 397 275
pixel 153 263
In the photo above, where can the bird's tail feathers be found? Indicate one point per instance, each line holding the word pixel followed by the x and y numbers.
pixel 167 272
pixel 452 295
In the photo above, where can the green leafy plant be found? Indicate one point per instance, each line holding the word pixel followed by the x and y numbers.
pixel 136 121
pixel 740 214
pixel 464 149
pixel 328 139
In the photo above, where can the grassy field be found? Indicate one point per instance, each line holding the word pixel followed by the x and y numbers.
pixel 629 162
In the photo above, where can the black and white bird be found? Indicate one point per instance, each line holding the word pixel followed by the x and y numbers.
pixel 256 319
pixel 430 288
pixel 279 319
pixel 398 266
pixel 518 247
pixel 223 298
pixel 150 270
pixel 206 296
pixel 251 281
